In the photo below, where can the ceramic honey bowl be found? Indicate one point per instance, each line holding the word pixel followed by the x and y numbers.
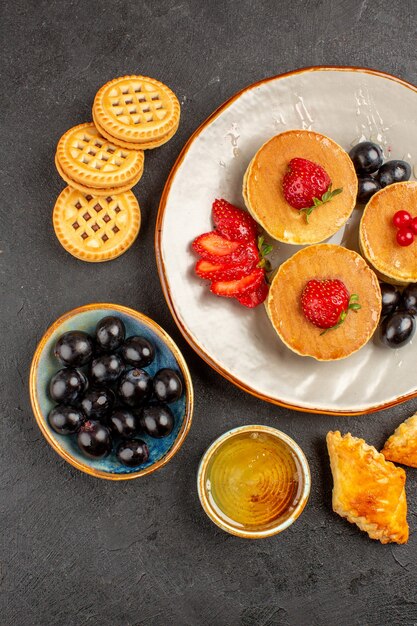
pixel 253 481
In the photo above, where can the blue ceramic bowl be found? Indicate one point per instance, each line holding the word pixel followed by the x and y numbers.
pixel 44 366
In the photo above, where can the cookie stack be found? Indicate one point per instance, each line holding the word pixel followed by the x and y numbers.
pixel 97 217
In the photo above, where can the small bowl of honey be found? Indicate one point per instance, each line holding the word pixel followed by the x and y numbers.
pixel 253 481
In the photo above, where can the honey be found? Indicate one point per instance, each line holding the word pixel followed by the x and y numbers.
pixel 254 481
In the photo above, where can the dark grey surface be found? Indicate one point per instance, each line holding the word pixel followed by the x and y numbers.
pixel 75 550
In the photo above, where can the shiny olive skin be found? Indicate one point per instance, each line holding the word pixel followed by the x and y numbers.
pixel 94 440
pixel 367 187
pixel 67 386
pixel 138 351
pixel 74 348
pixel 167 385
pixel 106 369
pixel 66 420
pixel 157 420
pixel 409 299
pixel 393 172
pixel 397 329
pixel 98 403
pixel 132 452
pixel 110 334
pixel 391 297
pixel 367 157
pixel 124 423
pixel 134 387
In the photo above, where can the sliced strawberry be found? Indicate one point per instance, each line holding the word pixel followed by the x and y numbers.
pixel 253 298
pixel 236 288
pixel 247 252
pixel 233 223
pixel 221 271
pixel 211 246
pixel 227 252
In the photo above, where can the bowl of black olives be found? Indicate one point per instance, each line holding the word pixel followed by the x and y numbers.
pixel 111 391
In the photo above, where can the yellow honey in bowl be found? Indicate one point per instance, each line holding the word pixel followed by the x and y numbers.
pixel 254 481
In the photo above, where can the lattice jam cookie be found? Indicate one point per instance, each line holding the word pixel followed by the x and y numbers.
pixel 96 229
pixel 137 110
pixel 87 158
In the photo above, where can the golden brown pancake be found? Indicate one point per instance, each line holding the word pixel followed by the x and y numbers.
pixel 264 198
pixel 324 261
pixel 394 263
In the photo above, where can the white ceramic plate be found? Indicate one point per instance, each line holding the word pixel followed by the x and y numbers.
pixel 348 105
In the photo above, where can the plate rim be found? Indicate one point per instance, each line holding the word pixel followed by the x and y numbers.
pixel 161 265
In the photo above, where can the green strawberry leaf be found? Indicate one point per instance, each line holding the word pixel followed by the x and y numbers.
pixel 264 250
pixel 265 264
pixel 326 197
pixel 352 306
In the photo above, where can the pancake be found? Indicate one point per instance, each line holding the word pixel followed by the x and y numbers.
pixel 377 234
pixel 324 261
pixel 264 198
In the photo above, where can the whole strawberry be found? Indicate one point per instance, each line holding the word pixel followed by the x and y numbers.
pixel 307 185
pixel 326 303
pixel 233 223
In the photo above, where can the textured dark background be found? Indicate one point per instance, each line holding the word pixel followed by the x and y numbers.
pixel 78 551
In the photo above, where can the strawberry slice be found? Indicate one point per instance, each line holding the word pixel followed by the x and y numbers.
pixel 221 271
pixel 251 299
pixel 246 253
pixel 237 288
pixel 216 249
pixel 233 223
pixel 211 246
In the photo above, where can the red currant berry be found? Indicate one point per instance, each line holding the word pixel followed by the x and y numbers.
pixel 401 218
pixel 413 225
pixel 405 237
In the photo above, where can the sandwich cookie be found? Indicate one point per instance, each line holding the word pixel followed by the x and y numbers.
pixel 88 161
pixel 96 228
pixel 136 112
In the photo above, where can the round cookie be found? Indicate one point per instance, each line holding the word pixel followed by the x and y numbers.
pixel 136 146
pixel 91 190
pixel 137 109
pixel 320 262
pixel 89 159
pixel 377 234
pixel 264 197
pixel 96 229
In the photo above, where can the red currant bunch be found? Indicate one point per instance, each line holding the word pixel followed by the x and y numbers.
pixel 407 227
